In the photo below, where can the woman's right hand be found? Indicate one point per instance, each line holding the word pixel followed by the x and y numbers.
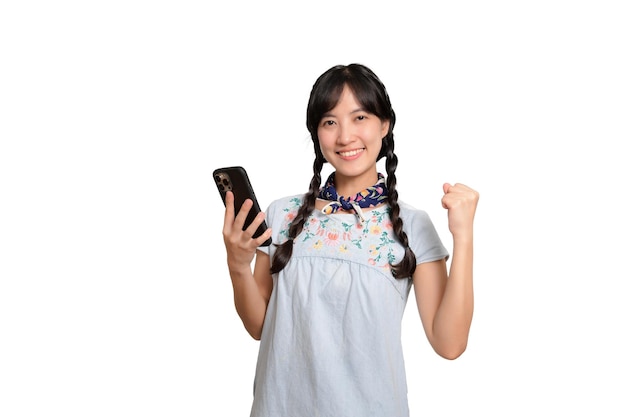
pixel 240 245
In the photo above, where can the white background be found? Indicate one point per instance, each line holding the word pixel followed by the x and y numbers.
pixel 114 293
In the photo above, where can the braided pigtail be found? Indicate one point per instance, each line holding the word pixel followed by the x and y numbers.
pixel 284 250
pixel 406 267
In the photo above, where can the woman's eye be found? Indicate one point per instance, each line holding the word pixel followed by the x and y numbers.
pixel 360 117
pixel 328 122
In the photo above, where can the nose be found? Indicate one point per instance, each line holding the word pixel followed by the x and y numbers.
pixel 346 135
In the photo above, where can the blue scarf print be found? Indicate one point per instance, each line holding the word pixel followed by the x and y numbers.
pixel 370 197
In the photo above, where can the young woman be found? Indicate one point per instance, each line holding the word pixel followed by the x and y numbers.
pixel 326 299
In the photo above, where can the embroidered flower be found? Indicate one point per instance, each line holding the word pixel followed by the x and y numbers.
pixel 376 229
pixel 332 238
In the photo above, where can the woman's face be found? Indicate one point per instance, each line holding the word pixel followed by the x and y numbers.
pixel 350 140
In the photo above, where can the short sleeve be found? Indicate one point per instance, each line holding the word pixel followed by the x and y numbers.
pixel 278 216
pixel 269 218
pixel 423 237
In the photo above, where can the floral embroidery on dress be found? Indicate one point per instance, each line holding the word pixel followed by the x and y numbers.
pixel 344 239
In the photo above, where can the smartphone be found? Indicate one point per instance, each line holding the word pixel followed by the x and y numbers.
pixel 236 179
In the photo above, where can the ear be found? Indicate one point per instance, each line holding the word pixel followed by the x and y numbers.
pixel 385 128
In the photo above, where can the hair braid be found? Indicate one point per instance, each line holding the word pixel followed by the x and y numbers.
pixel 284 250
pixel 406 266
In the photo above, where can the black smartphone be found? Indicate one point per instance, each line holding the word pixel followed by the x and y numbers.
pixel 236 179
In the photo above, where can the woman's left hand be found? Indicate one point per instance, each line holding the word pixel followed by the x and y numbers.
pixel 460 201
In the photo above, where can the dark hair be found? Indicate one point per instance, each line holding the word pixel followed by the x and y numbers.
pixel 372 96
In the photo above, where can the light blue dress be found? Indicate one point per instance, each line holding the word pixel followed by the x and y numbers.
pixel 331 340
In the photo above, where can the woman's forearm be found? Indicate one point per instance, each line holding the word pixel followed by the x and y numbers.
pixel 250 301
pixel 454 317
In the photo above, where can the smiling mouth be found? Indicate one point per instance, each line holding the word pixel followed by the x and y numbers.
pixel 351 153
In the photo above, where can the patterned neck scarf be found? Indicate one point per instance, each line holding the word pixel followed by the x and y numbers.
pixel 370 197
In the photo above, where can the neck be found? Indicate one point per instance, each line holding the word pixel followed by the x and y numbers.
pixel 347 186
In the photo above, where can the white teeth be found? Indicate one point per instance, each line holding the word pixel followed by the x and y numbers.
pixel 351 153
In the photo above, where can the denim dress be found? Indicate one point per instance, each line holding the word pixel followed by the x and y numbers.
pixel 331 340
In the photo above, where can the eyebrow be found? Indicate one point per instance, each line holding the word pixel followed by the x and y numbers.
pixel 357 110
